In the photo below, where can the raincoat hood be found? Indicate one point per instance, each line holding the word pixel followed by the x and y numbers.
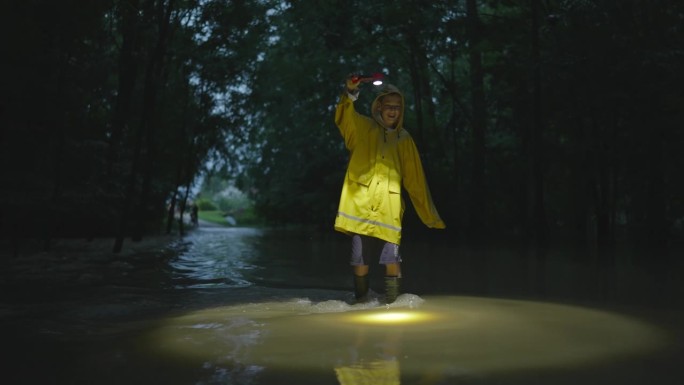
pixel 385 90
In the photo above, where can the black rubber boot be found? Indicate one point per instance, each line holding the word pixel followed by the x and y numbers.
pixel 392 289
pixel 360 287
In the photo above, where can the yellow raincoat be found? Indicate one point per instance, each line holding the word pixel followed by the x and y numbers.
pixel 381 160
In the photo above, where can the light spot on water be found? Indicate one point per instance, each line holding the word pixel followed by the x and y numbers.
pixel 394 317
pixel 443 334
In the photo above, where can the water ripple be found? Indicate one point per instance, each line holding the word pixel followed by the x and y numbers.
pixel 216 258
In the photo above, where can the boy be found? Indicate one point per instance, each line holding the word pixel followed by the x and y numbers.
pixel 383 157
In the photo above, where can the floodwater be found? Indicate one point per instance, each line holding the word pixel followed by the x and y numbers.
pixel 249 306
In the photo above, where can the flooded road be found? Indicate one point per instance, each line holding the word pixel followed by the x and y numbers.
pixel 250 306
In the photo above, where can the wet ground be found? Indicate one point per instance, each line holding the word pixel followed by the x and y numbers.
pixel 248 306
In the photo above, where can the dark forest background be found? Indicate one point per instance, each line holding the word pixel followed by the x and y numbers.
pixel 538 121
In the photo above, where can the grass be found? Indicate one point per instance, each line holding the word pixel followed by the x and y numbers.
pixel 213 216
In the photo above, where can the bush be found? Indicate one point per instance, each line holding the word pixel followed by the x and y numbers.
pixel 206 205
pixel 248 217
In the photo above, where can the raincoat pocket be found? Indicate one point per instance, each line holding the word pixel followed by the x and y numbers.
pixel 394 183
pixel 362 178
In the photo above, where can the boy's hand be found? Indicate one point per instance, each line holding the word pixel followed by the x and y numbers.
pixel 353 82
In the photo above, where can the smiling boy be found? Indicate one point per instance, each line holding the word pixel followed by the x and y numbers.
pixel 383 158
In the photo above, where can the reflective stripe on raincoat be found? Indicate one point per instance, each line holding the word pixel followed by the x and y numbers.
pixel 381 160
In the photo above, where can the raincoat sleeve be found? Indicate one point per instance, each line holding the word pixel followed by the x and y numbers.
pixel 415 183
pixel 347 120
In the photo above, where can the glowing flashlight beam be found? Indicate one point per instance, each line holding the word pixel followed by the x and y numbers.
pixel 394 317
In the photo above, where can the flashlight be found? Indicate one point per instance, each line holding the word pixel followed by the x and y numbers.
pixel 376 78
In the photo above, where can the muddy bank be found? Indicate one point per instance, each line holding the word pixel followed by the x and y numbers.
pixel 81 263
pixel 81 287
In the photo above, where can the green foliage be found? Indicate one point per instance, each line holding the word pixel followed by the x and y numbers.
pixel 205 205
pixel 230 205
pixel 248 217
pixel 221 195
pixel 588 125
pixel 111 109
pixel 117 106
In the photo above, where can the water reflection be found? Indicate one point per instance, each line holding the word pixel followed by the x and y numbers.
pixel 216 258
pixel 451 338
pixel 374 364
pixel 248 306
pixel 274 310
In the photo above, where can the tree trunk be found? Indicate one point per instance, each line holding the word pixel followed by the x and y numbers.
pixel 128 71
pixel 603 207
pixel 654 257
pixel 536 213
pixel 417 92
pixel 184 206
pixel 478 125
pixel 458 115
pixel 153 80
pixel 171 211
pixel 129 202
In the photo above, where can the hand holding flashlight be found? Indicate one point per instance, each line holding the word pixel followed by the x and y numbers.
pixel 354 81
pixel 376 78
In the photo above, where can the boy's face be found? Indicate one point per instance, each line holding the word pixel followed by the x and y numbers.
pixel 390 110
